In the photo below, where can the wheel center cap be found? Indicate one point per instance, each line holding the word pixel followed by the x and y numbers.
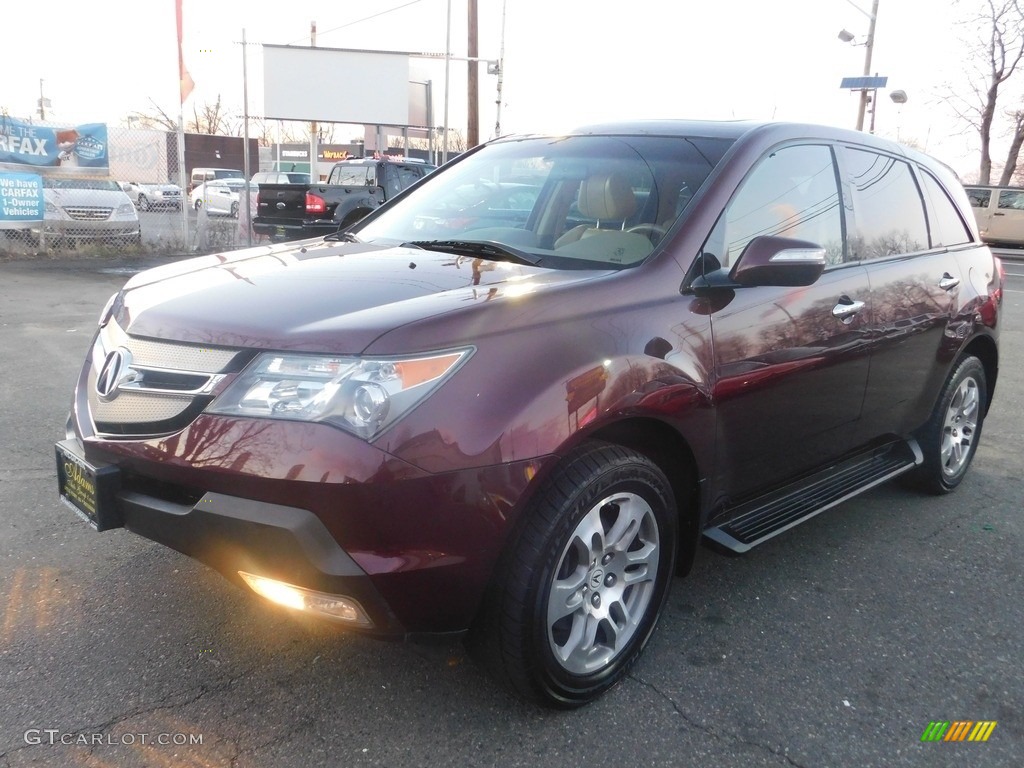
pixel 596 577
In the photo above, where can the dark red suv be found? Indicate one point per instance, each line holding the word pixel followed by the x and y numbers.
pixel 513 400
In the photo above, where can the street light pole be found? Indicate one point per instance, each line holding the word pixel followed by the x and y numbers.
pixel 862 107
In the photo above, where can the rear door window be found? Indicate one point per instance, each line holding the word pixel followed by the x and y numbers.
pixel 888 207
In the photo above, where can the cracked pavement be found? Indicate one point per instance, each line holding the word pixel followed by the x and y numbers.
pixel 833 645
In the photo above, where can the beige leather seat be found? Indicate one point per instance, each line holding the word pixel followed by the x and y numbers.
pixel 605 197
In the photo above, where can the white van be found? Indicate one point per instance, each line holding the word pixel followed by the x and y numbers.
pixel 203 175
pixel 999 212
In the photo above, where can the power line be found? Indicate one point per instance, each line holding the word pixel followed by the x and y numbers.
pixel 367 18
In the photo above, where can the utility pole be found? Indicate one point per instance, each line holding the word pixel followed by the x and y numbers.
pixel 501 74
pixel 473 105
pixel 862 108
pixel 314 174
pixel 43 102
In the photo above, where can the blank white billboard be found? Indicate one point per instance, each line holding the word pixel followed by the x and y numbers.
pixel 335 85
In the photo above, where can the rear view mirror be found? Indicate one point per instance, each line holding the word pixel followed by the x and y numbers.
pixel 779 261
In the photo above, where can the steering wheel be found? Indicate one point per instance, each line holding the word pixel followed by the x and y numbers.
pixel 654 232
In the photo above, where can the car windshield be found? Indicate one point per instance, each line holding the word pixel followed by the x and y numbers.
pixel 107 184
pixel 576 202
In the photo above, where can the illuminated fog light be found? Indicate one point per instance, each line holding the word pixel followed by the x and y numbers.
pixel 298 598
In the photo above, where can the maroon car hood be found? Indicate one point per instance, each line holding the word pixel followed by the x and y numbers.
pixel 326 296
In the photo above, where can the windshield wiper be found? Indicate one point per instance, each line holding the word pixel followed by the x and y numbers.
pixel 487 249
pixel 346 237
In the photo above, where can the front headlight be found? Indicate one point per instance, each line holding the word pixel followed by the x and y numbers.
pixel 125 209
pixel 361 395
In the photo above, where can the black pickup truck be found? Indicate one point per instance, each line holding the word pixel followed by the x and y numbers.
pixel 353 189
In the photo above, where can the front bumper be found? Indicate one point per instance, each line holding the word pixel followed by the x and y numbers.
pixel 89 230
pixel 317 509
pixel 283 543
pixel 292 229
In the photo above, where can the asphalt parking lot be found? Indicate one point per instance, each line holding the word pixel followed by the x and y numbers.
pixel 833 645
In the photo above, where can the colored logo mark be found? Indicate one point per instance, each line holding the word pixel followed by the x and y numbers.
pixel 958 730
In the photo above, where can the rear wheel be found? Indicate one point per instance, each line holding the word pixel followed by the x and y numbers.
pixel 950 438
pixel 234 210
pixel 579 594
pixel 199 204
pixel 143 203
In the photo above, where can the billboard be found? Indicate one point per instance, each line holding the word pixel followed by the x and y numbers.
pixel 71 149
pixel 335 85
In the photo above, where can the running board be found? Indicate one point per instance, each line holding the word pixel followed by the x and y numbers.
pixel 757 521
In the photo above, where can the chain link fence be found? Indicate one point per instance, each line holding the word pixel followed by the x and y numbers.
pixel 98 190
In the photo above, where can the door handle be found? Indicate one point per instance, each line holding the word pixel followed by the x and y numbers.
pixel 948 282
pixel 998 214
pixel 846 309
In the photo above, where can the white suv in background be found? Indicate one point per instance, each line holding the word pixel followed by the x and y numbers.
pixel 150 196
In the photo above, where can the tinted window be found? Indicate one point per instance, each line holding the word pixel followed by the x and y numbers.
pixel 791 193
pixel 1012 200
pixel 887 204
pixel 979 197
pixel 407 176
pixel 947 228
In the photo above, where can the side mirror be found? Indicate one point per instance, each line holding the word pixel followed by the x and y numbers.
pixel 778 261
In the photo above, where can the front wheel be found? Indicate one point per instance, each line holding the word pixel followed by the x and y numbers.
pixel 579 594
pixel 950 438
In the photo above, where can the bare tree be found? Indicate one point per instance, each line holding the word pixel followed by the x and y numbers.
pixel 997 52
pixel 154 119
pixel 1013 153
pixel 212 119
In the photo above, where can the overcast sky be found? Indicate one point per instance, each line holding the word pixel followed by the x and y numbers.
pixel 566 61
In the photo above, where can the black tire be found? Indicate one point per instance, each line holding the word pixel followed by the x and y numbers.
pixel 568 656
pixel 199 204
pixel 143 203
pixel 950 438
pixel 234 210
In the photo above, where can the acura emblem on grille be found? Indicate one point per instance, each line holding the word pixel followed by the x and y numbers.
pixel 117 369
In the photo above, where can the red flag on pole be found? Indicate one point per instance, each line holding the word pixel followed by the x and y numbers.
pixel 185 79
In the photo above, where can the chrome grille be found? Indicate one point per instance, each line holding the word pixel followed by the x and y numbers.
pixel 88 212
pixel 163 381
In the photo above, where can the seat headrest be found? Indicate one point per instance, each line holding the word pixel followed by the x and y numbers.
pixel 607 196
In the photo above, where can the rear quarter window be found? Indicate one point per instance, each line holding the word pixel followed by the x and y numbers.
pixel 946 226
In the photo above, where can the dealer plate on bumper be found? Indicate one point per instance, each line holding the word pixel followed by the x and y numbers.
pixel 88 489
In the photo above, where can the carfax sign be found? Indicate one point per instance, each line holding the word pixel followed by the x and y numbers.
pixel 72 149
pixel 21 198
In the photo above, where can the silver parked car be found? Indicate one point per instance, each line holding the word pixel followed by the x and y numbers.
pixel 93 210
pixel 150 196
